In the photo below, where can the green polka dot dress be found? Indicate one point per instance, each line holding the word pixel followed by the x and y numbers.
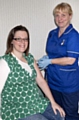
pixel 20 96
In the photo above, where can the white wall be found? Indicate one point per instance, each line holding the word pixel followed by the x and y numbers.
pixel 36 15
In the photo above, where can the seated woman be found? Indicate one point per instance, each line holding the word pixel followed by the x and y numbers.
pixel 19 73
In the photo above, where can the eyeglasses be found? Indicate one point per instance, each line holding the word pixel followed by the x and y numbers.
pixel 20 39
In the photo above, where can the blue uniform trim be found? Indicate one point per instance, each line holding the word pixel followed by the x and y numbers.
pixel 73 52
pixel 68 31
pixel 68 69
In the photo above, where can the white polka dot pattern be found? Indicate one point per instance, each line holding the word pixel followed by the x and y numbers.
pixel 20 96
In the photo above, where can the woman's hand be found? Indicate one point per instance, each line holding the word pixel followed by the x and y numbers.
pixel 56 107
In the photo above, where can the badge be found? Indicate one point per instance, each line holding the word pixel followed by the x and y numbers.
pixel 62 43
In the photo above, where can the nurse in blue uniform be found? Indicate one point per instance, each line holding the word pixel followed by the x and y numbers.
pixel 61 62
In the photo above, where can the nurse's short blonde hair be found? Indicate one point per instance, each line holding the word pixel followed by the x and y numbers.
pixel 64 7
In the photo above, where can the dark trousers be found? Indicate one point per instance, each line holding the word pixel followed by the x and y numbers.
pixel 69 102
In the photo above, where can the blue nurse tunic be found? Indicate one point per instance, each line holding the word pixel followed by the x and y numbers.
pixel 63 78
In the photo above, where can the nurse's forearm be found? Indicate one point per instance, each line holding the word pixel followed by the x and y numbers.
pixel 63 61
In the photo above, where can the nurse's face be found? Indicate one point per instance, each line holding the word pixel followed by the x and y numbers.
pixel 62 19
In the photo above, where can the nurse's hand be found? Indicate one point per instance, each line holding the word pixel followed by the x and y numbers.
pixel 43 58
pixel 43 63
pixel 39 61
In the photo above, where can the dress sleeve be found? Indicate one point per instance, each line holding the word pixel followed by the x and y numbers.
pixel 4 71
pixel 73 46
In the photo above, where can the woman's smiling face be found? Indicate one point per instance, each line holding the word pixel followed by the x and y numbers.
pixel 20 41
